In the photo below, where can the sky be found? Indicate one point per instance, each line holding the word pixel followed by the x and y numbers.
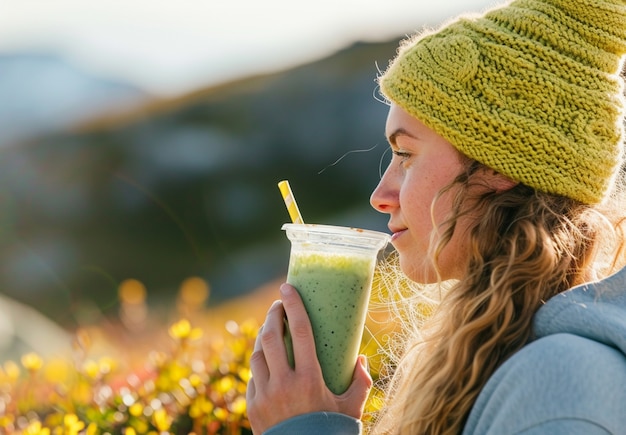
pixel 171 47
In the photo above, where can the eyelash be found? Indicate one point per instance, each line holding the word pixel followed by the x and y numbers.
pixel 402 154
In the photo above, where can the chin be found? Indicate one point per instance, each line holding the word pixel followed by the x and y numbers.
pixel 420 273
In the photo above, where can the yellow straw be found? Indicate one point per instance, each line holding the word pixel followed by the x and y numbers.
pixel 290 202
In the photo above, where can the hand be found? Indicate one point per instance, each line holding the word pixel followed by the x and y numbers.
pixel 277 392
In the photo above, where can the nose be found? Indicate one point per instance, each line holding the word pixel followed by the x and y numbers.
pixel 385 197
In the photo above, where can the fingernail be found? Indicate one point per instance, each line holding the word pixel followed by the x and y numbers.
pixel 271 308
pixel 364 362
pixel 285 289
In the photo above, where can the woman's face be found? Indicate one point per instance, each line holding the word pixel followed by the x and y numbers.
pixel 422 164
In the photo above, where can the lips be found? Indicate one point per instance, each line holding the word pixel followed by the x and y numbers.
pixel 396 232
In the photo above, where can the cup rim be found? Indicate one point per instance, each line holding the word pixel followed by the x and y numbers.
pixel 337 230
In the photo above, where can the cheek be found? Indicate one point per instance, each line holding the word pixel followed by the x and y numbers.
pixel 453 255
pixel 418 200
pixel 416 210
pixel 439 180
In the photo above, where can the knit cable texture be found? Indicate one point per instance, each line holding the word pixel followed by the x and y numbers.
pixel 530 89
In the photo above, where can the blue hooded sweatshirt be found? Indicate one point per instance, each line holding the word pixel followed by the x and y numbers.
pixel 570 380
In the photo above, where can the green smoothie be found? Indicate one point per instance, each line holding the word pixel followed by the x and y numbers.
pixel 335 289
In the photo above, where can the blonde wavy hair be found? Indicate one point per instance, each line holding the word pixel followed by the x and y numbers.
pixel 525 247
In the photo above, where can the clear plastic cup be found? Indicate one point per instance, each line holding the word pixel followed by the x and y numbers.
pixel 332 268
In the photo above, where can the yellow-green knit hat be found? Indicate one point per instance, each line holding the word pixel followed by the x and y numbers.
pixel 530 89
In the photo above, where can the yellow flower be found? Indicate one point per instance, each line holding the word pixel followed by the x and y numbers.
pixel 200 406
pixel 129 431
pixel 32 362
pixel 12 370
pixel 221 414
pixel 224 384
pixel 6 420
pixel 161 420
pixel 92 429
pixel 136 409
pixel 182 330
pixel 239 347
pixel 34 428
pixel 57 370
pixel 249 328
pixel 245 374
pixel 195 380
pixel 55 421
pixel 96 369
pixel 72 424
pixel 91 369
pixel 177 371
pixel 140 426
pixel 238 406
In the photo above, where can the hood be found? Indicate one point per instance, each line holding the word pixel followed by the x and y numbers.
pixel 596 311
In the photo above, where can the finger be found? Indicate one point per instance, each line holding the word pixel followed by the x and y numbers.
pixel 362 380
pixel 250 390
pixel 355 397
pixel 300 329
pixel 272 340
pixel 257 340
pixel 258 365
pixel 252 405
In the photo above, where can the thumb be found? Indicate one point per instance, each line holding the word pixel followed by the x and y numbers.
pixel 353 400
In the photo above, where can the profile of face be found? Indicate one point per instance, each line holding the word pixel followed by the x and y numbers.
pixel 423 163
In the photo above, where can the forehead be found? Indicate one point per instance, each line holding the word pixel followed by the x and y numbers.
pixel 397 118
pixel 399 121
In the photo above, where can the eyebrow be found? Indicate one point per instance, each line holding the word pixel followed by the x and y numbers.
pixel 399 132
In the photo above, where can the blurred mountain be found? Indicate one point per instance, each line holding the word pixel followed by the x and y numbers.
pixel 43 93
pixel 183 187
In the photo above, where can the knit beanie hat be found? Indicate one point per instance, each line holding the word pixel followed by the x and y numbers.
pixel 531 89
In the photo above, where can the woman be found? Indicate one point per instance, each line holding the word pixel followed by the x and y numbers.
pixel 507 183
